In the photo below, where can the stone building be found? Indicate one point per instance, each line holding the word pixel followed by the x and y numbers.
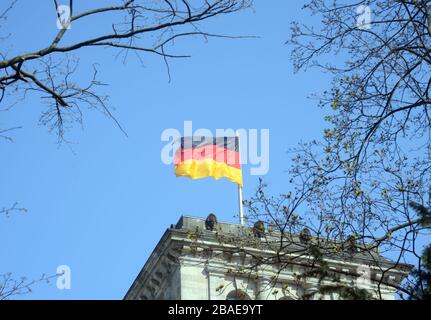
pixel 200 259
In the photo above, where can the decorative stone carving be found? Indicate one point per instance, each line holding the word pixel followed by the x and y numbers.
pixel 305 235
pixel 211 222
pixel 258 229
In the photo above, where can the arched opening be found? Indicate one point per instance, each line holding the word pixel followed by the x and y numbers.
pixel 237 295
pixel 286 298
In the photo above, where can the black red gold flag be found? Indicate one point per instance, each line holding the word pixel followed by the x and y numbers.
pixel 200 157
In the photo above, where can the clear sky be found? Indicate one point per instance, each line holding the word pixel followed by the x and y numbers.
pixel 101 204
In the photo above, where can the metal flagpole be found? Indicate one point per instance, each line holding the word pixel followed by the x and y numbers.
pixel 241 209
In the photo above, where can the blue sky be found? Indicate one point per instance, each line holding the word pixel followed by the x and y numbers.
pixel 101 204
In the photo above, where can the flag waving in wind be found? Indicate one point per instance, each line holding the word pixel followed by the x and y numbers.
pixel 200 157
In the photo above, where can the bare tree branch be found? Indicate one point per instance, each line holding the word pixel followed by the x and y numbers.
pixel 164 21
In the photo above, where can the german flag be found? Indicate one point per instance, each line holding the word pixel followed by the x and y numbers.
pixel 201 157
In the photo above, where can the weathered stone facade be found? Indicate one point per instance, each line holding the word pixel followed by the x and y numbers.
pixel 191 262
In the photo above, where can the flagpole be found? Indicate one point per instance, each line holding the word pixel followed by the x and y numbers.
pixel 241 209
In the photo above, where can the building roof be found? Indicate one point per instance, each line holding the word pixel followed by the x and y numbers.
pixel 193 232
